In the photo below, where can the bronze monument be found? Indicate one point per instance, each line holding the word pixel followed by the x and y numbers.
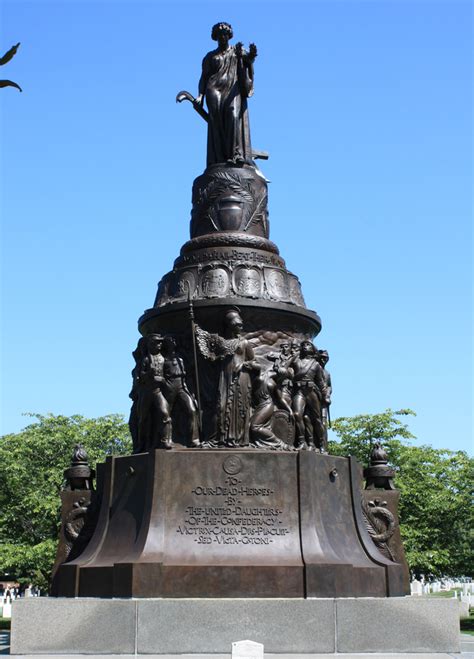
pixel 230 491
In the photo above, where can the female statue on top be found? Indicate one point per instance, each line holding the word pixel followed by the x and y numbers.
pixel 226 83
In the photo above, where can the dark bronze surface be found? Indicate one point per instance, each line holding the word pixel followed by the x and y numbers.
pixel 79 509
pixel 226 83
pixel 379 474
pixel 243 523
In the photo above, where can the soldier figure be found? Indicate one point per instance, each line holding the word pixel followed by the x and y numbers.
pixel 326 418
pixel 176 391
pixel 282 356
pixel 138 355
pixel 295 348
pixel 280 360
pixel 154 422
pixel 309 393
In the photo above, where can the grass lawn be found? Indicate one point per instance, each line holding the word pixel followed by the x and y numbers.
pixel 444 593
pixel 5 623
pixel 467 624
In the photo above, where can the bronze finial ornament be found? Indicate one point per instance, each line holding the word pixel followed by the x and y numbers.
pixel 79 475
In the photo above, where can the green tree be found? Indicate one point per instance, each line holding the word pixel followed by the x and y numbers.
pixel 357 434
pixel 436 512
pixel 32 463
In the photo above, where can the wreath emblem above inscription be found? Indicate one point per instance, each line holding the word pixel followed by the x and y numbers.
pixel 232 465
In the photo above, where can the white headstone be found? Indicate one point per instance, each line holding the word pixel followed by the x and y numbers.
pixel 7 610
pixel 27 592
pixel 247 650
pixel 416 587
pixel 463 610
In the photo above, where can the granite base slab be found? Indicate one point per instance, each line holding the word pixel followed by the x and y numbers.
pixel 51 625
pixel 397 624
pixel 66 626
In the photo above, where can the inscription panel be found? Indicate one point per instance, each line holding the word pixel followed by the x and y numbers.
pixel 230 256
pixel 240 507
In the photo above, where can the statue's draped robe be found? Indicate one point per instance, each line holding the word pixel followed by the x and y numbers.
pixel 234 391
pixel 261 431
pixel 226 85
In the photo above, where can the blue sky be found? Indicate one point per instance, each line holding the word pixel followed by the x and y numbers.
pixel 365 108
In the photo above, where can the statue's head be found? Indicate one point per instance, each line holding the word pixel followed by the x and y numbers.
pixel 323 357
pixel 285 347
pixel 307 348
pixel 221 29
pixel 233 320
pixel 154 343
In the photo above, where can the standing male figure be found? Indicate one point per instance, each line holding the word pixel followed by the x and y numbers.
pixel 323 360
pixel 176 391
pixel 281 359
pixel 154 422
pixel 309 392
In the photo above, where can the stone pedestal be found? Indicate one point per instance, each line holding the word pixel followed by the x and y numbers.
pixel 235 523
pixel 209 626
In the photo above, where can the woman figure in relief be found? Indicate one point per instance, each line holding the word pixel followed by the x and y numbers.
pixel 237 363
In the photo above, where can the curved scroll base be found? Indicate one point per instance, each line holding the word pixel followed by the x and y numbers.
pixel 242 523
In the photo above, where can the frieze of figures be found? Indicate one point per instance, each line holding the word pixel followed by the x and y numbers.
pixel 263 391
